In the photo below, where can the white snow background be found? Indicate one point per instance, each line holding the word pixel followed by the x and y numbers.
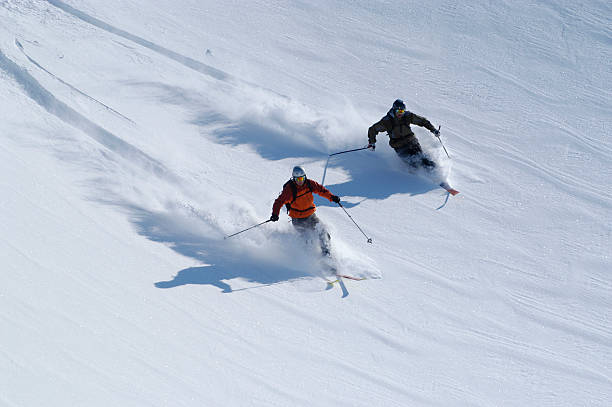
pixel 136 134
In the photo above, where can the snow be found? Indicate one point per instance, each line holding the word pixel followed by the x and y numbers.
pixel 136 135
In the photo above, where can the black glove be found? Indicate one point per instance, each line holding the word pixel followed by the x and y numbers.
pixel 274 218
pixel 372 146
pixel 436 132
pixel 335 198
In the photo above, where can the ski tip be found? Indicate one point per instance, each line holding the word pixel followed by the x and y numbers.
pixel 449 189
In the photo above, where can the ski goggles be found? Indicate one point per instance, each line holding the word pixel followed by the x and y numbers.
pixel 300 179
pixel 400 112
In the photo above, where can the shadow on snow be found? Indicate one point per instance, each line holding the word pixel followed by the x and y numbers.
pixel 220 255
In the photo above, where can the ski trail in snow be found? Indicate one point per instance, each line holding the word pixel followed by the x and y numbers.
pixel 20 46
pixel 570 183
pixel 184 60
pixel 70 116
pixel 534 309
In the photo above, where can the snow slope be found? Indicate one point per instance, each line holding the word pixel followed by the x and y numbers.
pixel 135 135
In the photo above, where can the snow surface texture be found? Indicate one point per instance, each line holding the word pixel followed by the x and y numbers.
pixel 136 135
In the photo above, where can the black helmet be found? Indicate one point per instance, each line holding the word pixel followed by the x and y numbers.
pixel 399 104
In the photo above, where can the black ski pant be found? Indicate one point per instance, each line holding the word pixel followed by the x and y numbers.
pixel 413 155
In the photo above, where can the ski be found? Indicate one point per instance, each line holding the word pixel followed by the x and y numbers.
pixel 449 189
pixel 332 282
pixel 350 277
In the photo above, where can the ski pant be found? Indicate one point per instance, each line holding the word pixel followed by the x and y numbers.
pixel 311 226
pixel 412 154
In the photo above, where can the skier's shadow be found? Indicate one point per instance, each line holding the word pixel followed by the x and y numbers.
pixel 217 275
pixel 220 256
pixel 196 275
pixel 270 144
pixel 371 177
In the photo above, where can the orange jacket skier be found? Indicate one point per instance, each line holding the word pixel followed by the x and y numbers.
pixel 297 197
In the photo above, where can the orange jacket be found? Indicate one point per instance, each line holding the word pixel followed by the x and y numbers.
pixel 302 206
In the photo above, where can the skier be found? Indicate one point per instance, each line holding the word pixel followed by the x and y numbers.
pixel 297 197
pixel 397 125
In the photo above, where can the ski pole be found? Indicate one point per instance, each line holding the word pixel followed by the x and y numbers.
pixel 331 155
pixel 369 239
pixel 254 226
pixel 349 151
pixel 440 140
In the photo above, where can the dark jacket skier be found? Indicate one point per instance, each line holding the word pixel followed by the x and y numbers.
pixel 297 197
pixel 401 138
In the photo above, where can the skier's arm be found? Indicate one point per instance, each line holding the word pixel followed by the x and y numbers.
pixel 374 130
pixel 285 197
pixel 421 121
pixel 321 190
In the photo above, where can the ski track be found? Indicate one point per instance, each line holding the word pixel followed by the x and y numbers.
pixel 57 108
pixel 570 184
pixel 553 363
pixel 566 323
pixel 20 46
pixel 527 352
pixel 181 59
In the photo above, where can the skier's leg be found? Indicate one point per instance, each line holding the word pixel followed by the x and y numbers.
pixel 306 228
pixel 325 241
pixel 427 163
pixel 412 154
pixel 409 152
pixel 312 227
pixel 418 156
pixel 298 224
pixel 324 237
pixel 410 159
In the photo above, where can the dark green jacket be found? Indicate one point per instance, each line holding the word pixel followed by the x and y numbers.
pixel 399 131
